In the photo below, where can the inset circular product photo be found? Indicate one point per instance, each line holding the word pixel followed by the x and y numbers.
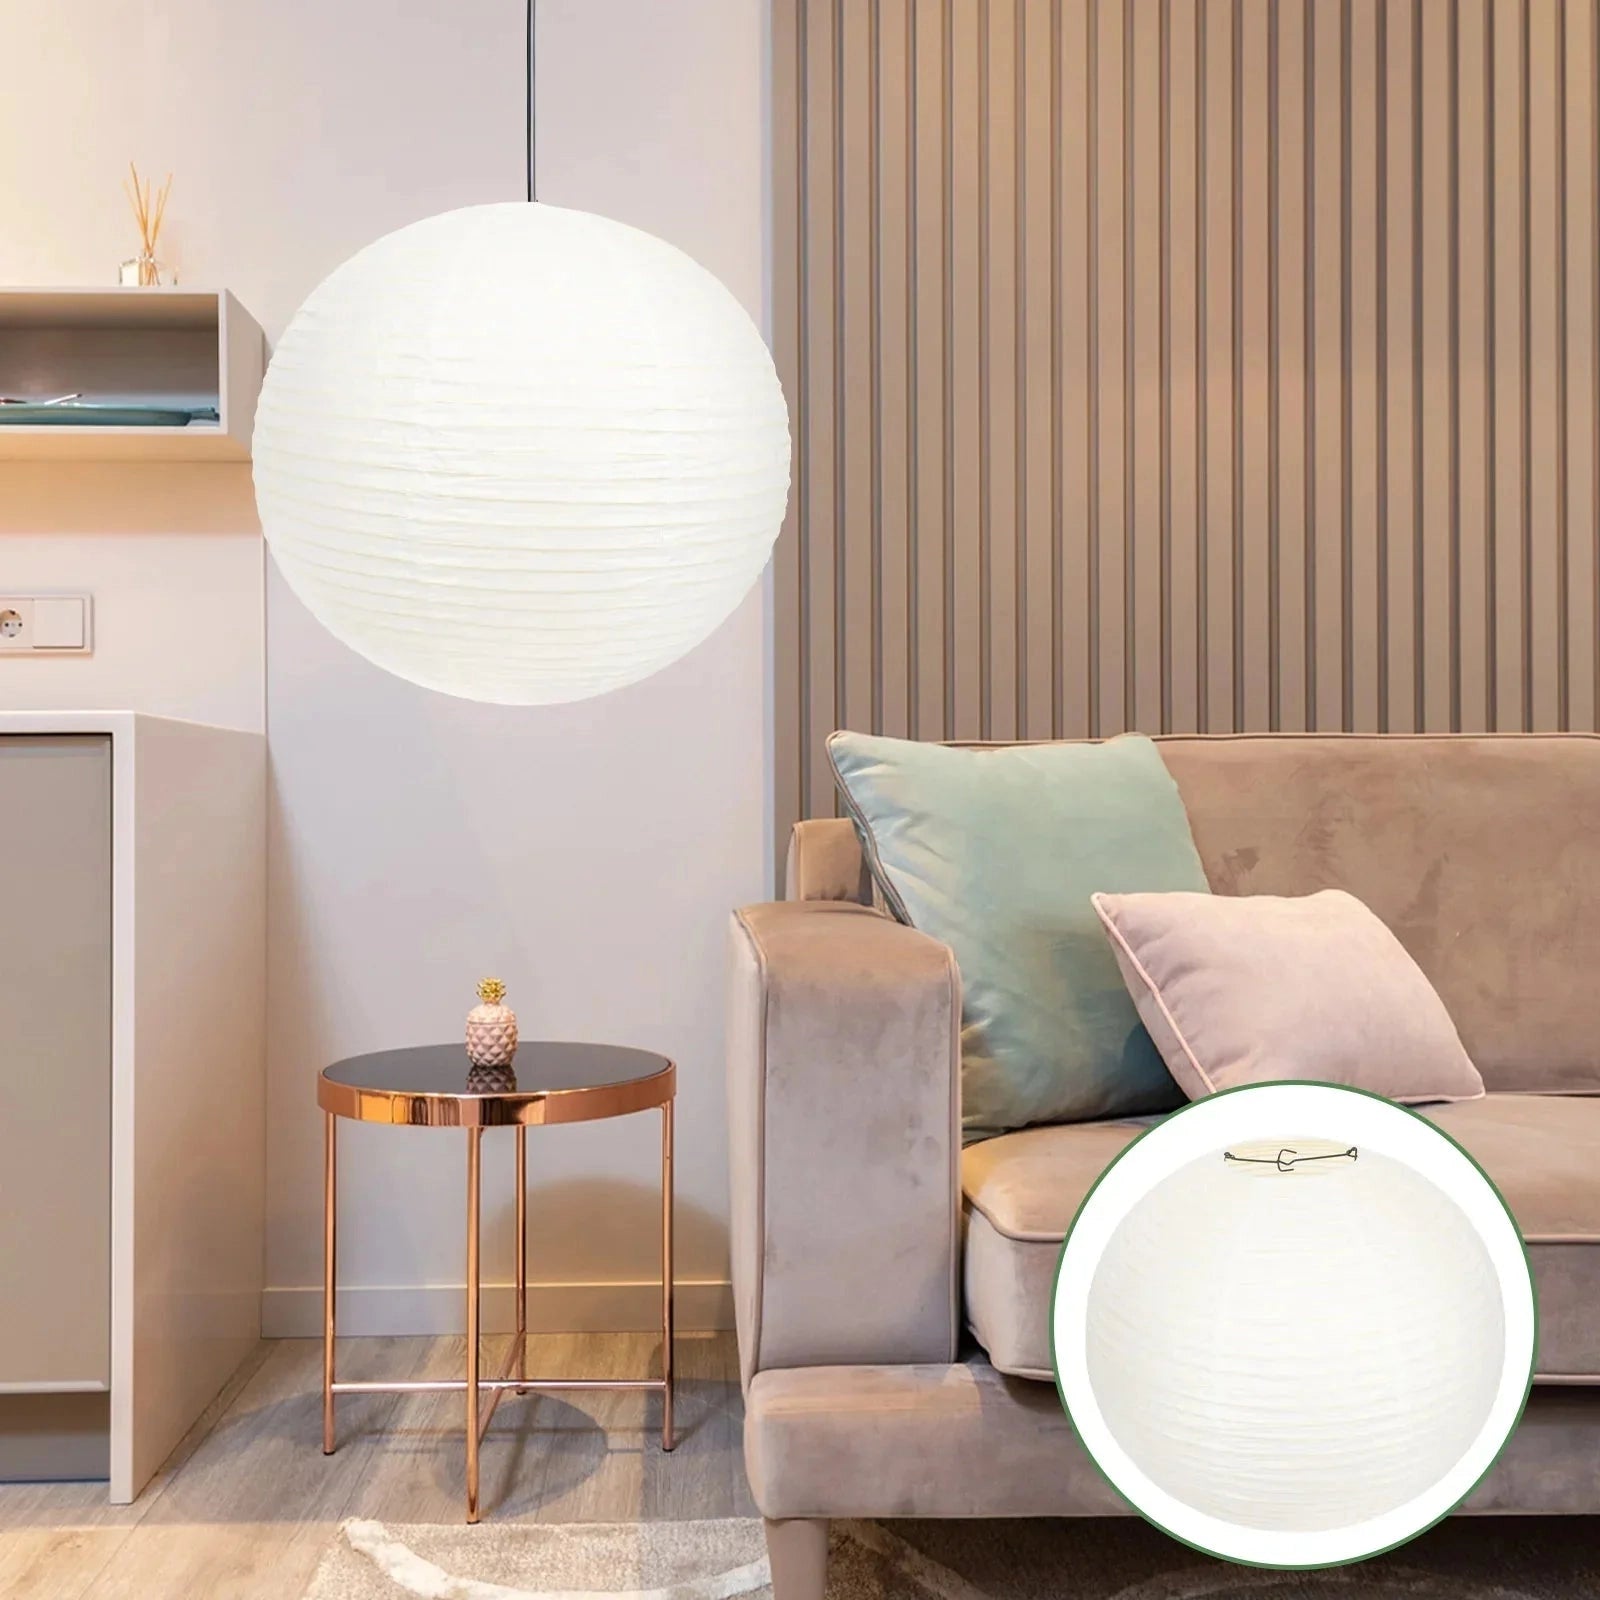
pixel 1294 1324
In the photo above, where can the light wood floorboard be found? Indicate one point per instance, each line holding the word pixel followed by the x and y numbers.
pixel 248 1501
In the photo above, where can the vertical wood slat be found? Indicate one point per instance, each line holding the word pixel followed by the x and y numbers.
pixel 1185 331
pixel 999 309
pixel 1511 706
pixel 1472 366
pixel 820 532
pixel 1436 530
pixel 1325 374
pixel 1036 386
pixel 1546 537
pixel 1110 336
pixel 1363 411
pixel 1144 449
pixel 927 294
pixel 1400 469
pixel 856 421
pixel 1217 400
pixel 1289 399
pixel 1582 416
pixel 792 743
pixel 892 322
pixel 1190 364
pixel 965 467
pixel 1252 420
pixel 1073 511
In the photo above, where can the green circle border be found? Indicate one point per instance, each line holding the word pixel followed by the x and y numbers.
pixel 1533 1356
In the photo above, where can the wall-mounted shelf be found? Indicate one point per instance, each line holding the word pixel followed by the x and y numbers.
pixel 184 347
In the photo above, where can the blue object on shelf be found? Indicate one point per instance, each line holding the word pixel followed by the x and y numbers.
pixel 86 414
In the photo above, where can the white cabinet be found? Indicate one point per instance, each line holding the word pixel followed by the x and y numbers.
pixel 132 977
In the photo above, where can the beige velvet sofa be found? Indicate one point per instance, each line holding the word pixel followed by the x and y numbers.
pixel 892 1289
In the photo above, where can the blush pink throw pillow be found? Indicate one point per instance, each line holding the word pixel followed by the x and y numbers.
pixel 1247 989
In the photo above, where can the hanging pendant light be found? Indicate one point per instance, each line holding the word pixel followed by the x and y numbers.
pixel 522 454
pixel 1292 1349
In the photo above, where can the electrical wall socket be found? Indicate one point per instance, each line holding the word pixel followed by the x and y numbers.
pixel 46 624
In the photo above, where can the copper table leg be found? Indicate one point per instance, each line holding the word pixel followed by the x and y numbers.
pixel 522 1254
pixel 474 1172
pixel 667 1438
pixel 343 1090
pixel 329 1212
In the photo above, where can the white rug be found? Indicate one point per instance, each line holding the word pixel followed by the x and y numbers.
pixel 720 1560
pixel 1523 1559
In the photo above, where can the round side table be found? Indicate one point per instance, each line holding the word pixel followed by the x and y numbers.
pixel 435 1086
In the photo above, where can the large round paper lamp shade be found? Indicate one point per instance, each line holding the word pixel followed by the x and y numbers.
pixel 1292 1341
pixel 521 454
pixel 1245 1314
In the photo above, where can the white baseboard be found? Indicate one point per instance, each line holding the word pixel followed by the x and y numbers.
pixel 295 1312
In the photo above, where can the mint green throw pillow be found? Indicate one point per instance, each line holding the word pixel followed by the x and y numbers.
pixel 995 852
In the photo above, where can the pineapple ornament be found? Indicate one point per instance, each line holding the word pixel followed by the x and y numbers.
pixel 492 1039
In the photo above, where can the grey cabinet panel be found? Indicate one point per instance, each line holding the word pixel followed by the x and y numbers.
pixel 54 1437
pixel 55 1059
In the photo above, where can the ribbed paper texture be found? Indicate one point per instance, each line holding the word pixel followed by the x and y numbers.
pixel 1296 1350
pixel 521 454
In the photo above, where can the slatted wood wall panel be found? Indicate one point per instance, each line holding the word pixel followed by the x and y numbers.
pixel 1185 365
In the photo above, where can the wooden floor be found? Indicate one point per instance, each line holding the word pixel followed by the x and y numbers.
pixel 248 1501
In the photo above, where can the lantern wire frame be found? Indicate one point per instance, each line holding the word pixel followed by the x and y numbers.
pixel 1288 1159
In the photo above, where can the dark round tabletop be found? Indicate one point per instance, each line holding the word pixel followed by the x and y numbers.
pixel 435 1085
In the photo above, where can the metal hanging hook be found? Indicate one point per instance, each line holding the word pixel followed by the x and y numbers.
pixel 1287 1159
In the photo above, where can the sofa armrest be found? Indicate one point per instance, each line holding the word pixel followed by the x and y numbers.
pixel 845 1131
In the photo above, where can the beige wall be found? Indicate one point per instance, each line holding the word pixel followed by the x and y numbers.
pixel 172 556
pixel 1207 364
pixel 586 854
pixel 293 136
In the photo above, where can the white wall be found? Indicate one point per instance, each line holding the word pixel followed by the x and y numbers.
pixel 172 556
pixel 586 854
pixel 295 130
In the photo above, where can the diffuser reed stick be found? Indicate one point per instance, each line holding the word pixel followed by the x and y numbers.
pixel 148 211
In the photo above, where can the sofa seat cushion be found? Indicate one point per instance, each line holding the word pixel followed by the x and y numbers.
pixel 1021 1192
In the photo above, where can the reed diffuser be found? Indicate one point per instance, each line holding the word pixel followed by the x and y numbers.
pixel 145 270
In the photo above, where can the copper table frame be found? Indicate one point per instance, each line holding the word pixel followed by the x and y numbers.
pixel 473 1113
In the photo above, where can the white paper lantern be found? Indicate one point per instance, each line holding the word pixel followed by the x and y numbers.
pixel 1294 1361
pixel 520 453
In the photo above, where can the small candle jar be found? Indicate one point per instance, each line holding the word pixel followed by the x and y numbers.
pixel 143 271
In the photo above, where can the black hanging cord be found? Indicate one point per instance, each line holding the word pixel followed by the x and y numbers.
pixel 528 107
